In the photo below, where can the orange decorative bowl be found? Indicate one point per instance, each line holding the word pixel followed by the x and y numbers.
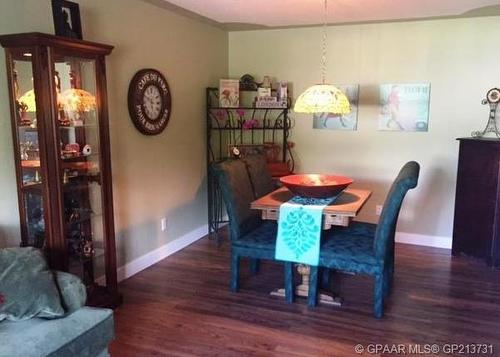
pixel 316 185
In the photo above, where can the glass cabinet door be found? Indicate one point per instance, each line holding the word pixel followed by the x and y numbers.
pixel 26 139
pixel 80 166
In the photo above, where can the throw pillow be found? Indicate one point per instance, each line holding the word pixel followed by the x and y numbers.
pixel 27 286
pixel 72 290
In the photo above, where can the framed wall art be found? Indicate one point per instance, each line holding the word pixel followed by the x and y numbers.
pixel 67 21
pixel 404 107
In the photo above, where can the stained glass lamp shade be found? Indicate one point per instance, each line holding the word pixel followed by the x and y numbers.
pixel 77 100
pixel 29 102
pixel 322 98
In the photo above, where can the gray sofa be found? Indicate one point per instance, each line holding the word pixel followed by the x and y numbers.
pixel 84 331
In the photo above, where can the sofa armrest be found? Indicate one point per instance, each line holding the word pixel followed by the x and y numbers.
pixel 72 290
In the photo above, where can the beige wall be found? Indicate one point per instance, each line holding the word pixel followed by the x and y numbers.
pixel 459 59
pixel 163 176
pixel 153 177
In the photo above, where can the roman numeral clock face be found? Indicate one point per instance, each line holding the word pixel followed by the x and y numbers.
pixel 149 101
pixel 152 102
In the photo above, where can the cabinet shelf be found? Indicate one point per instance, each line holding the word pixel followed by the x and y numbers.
pixel 79 158
pixel 32 187
pixel 27 127
pixel 30 164
pixel 83 219
pixel 78 126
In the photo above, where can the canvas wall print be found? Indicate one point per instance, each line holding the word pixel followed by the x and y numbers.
pixel 229 93
pixel 404 107
pixel 340 122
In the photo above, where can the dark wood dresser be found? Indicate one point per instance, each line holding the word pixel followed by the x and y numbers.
pixel 476 228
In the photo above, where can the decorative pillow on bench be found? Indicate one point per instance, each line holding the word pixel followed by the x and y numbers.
pixel 27 286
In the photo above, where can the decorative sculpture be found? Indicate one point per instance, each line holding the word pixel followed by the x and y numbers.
pixel 492 99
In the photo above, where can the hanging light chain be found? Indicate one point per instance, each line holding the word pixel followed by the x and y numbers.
pixel 324 49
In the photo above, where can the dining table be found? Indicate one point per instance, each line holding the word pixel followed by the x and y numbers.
pixel 340 212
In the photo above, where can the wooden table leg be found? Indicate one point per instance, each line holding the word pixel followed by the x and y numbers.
pixel 302 290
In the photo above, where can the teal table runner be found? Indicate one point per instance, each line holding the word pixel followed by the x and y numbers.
pixel 299 230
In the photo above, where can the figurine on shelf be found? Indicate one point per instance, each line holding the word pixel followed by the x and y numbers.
pixel 86 247
pixel 24 150
pixel 265 88
pixel 74 216
pixel 235 152
pixel 66 176
pixel 283 93
pixel 87 150
pixel 26 104
pixel 24 119
pixel 492 99
pixel 70 151
pixel 266 82
pixel 62 118
pixel 247 82
pixel 21 107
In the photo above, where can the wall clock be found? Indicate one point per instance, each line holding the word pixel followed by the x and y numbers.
pixel 149 101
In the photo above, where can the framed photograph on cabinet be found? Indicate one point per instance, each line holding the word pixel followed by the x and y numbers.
pixel 67 21
pixel 229 93
pixel 340 122
pixel 404 107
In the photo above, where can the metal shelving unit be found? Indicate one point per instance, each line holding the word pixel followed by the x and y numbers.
pixel 251 130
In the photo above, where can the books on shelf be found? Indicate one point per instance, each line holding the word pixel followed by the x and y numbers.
pixel 270 102
pixel 229 95
pixel 270 105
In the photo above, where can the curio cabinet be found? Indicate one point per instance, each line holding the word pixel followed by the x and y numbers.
pixel 60 131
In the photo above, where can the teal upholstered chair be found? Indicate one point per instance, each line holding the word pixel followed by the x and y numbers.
pixel 251 237
pixel 368 248
pixel 262 184
pixel 260 177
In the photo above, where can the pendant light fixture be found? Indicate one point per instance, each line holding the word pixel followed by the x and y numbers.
pixel 323 98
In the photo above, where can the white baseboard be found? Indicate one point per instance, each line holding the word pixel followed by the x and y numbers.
pixel 425 240
pixel 153 257
pixel 145 261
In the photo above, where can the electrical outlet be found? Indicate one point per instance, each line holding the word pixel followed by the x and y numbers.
pixel 378 210
pixel 163 224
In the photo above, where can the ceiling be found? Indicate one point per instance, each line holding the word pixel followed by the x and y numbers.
pixel 245 14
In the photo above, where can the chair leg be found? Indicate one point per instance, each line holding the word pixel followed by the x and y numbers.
pixel 312 299
pixel 254 266
pixel 235 272
pixel 378 296
pixel 289 283
pixel 387 282
pixel 391 274
pixel 326 275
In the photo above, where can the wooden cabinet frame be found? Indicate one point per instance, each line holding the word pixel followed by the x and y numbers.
pixel 42 48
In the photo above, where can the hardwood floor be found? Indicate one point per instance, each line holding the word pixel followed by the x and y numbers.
pixel 182 307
